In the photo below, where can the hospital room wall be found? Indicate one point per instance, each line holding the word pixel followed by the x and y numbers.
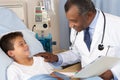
pixel 64 27
pixel 109 6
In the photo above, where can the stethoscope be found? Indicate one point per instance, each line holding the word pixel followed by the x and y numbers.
pixel 100 46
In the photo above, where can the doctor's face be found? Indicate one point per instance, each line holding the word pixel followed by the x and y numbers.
pixel 76 20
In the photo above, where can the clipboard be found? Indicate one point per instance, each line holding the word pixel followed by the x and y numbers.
pixel 97 67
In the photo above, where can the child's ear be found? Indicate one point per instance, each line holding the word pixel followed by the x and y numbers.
pixel 10 53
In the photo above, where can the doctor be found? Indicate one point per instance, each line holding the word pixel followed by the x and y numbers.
pixel 103 37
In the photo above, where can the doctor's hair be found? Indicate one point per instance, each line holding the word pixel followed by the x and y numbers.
pixel 7 41
pixel 84 6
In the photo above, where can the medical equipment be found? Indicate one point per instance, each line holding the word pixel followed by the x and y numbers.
pixel 41 17
pixel 46 41
pixel 42 23
pixel 101 46
pixel 42 13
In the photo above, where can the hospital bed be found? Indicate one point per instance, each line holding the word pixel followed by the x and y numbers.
pixel 9 22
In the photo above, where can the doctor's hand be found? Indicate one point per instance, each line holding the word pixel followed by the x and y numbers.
pixel 48 57
pixel 107 75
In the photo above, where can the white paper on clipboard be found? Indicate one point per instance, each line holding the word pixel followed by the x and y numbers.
pixel 97 67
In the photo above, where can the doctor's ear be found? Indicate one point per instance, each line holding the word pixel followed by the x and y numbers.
pixel 90 14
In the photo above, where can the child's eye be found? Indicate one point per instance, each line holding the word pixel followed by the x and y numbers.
pixel 21 44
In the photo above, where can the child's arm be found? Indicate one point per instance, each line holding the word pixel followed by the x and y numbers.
pixel 55 76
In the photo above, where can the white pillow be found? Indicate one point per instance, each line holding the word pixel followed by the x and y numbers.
pixel 4 62
pixel 34 45
pixel 9 21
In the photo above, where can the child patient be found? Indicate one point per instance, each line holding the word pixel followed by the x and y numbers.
pixel 23 67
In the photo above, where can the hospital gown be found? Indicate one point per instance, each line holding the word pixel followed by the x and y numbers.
pixel 21 72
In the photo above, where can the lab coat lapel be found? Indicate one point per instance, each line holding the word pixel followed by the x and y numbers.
pixel 81 44
pixel 98 33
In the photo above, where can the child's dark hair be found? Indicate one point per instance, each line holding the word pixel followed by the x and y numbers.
pixel 6 42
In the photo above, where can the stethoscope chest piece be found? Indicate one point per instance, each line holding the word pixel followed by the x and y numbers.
pixel 100 47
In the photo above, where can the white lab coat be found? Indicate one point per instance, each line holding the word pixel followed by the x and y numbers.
pixel 111 38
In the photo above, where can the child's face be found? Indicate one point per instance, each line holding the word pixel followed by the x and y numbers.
pixel 21 49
